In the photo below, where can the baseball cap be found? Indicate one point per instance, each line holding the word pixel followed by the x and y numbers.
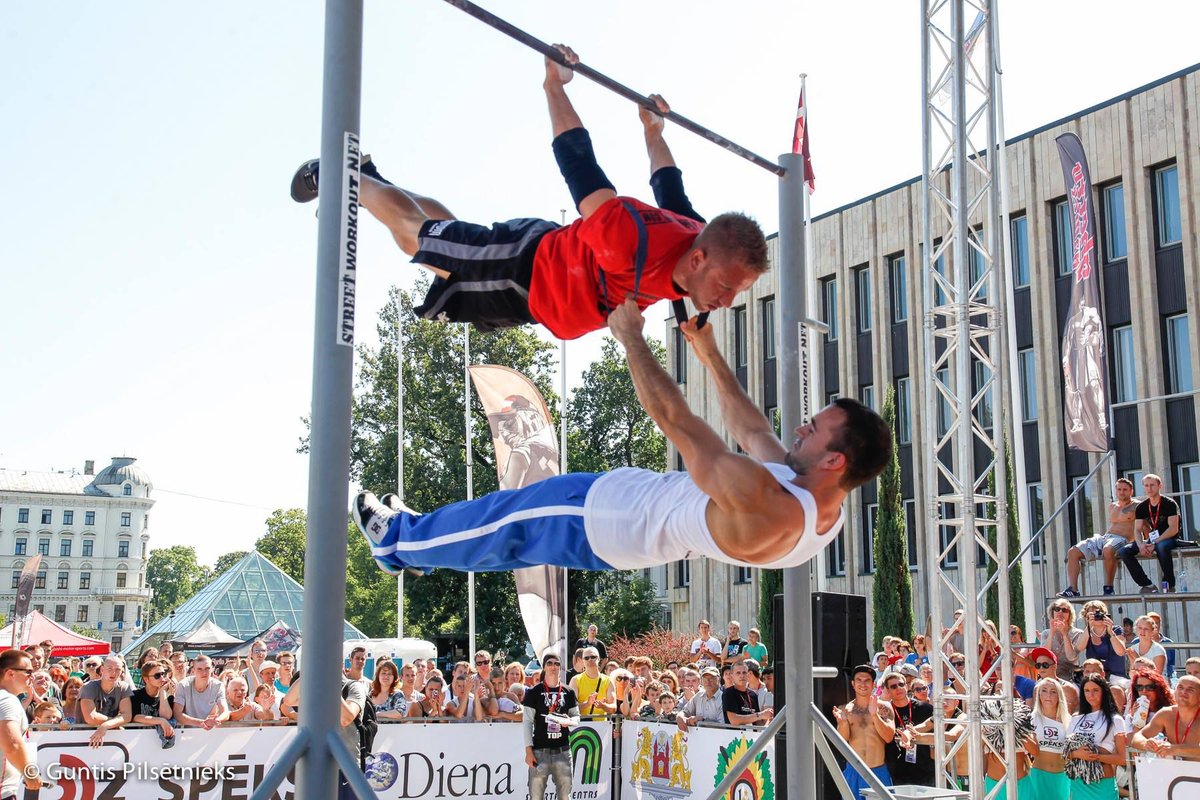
pixel 710 671
pixel 268 665
pixel 1042 652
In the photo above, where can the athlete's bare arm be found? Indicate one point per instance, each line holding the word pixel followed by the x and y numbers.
pixel 750 427
pixel 656 145
pixel 751 517
pixel 563 117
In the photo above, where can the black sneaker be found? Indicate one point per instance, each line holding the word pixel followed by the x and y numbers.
pixel 367 167
pixel 304 182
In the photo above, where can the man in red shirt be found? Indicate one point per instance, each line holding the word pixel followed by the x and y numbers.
pixel 566 278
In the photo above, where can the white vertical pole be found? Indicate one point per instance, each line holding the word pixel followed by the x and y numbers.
pixel 399 453
pixel 470 479
pixel 562 465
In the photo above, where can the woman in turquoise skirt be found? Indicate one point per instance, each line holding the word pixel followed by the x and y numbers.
pixel 1095 743
pixel 1051 721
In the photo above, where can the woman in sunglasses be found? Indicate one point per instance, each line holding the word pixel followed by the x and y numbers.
pixel 1063 639
pixel 152 705
pixel 1148 692
pixel 1051 719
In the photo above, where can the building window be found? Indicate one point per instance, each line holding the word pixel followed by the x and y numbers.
pixel 44 546
pixel 127 517
pixel 16 580
pixel 81 614
pixel 64 579
pixel 88 544
pixel 862 292
pixel 981 375
pixel 127 490
pixel 978 264
pixel 829 302
pixel 23 516
pixel 89 518
pixel 903 411
pixel 1062 237
pixel 117 643
pixel 144 545
pixel 866 395
pixel 1179 355
pixel 899 281
pixel 1166 195
pixel 64 548
pixel 680 356
pixel 119 613
pixel 1189 501
pixel 1082 507
pixel 740 358
pixel 683 573
pixel 1037 518
pixel 1115 246
pixel 47 516
pixel 945 536
pixel 1124 365
pixel 835 561
pixel 121 578
pixel 1027 365
pixel 39 581
pixel 1019 241
pixel 39 607
pixel 60 613
pixel 776 420
pixel 85 580
pixel 939 294
pixel 21 546
pixel 768 327
pixel 742 575
pixel 910 525
pixel 123 548
pixel 68 518
pixel 868 539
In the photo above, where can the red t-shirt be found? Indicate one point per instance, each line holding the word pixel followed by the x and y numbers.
pixel 564 291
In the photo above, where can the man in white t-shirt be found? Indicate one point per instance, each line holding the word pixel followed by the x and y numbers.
pixel 706 647
pixel 15 669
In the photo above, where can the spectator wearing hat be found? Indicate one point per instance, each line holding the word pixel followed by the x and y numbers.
pixel 1046 663
pixel 705 706
pixel 267 673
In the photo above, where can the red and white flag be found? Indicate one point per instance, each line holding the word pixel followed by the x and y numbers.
pixel 800 143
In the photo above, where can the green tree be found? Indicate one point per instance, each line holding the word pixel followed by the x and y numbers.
pixel 607 426
pixel 434 462
pixel 770 583
pixel 284 542
pixel 625 604
pixel 175 574
pixel 1016 581
pixel 226 561
pixel 891 592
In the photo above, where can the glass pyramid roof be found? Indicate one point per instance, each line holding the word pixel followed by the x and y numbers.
pixel 245 600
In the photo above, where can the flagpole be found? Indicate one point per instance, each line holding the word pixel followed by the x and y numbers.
pixel 562 468
pixel 399 452
pixel 470 478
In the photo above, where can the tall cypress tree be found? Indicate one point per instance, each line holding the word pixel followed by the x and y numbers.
pixel 891 592
pixel 770 583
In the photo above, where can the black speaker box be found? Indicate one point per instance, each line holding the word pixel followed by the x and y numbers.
pixel 839 639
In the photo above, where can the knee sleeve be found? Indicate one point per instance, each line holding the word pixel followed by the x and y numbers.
pixel 577 163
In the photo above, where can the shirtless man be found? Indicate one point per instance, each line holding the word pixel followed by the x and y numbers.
pixel 1177 723
pixel 868 725
pixel 1104 545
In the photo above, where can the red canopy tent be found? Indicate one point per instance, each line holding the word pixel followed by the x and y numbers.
pixel 39 628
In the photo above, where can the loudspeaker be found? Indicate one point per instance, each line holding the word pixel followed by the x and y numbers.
pixel 839 638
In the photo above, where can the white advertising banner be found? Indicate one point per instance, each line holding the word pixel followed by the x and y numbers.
pixel 660 762
pixel 1167 779
pixel 425 760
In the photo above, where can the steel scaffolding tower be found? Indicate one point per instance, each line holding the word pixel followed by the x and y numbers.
pixel 967 369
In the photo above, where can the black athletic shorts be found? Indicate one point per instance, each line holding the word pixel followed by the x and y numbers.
pixel 490 270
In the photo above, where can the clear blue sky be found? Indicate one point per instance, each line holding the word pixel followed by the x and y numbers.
pixel 157 279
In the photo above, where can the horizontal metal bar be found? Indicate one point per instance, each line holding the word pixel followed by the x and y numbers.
pixel 550 52
pixel 1156 398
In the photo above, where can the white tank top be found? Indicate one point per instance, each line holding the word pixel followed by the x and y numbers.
pixel 638 518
